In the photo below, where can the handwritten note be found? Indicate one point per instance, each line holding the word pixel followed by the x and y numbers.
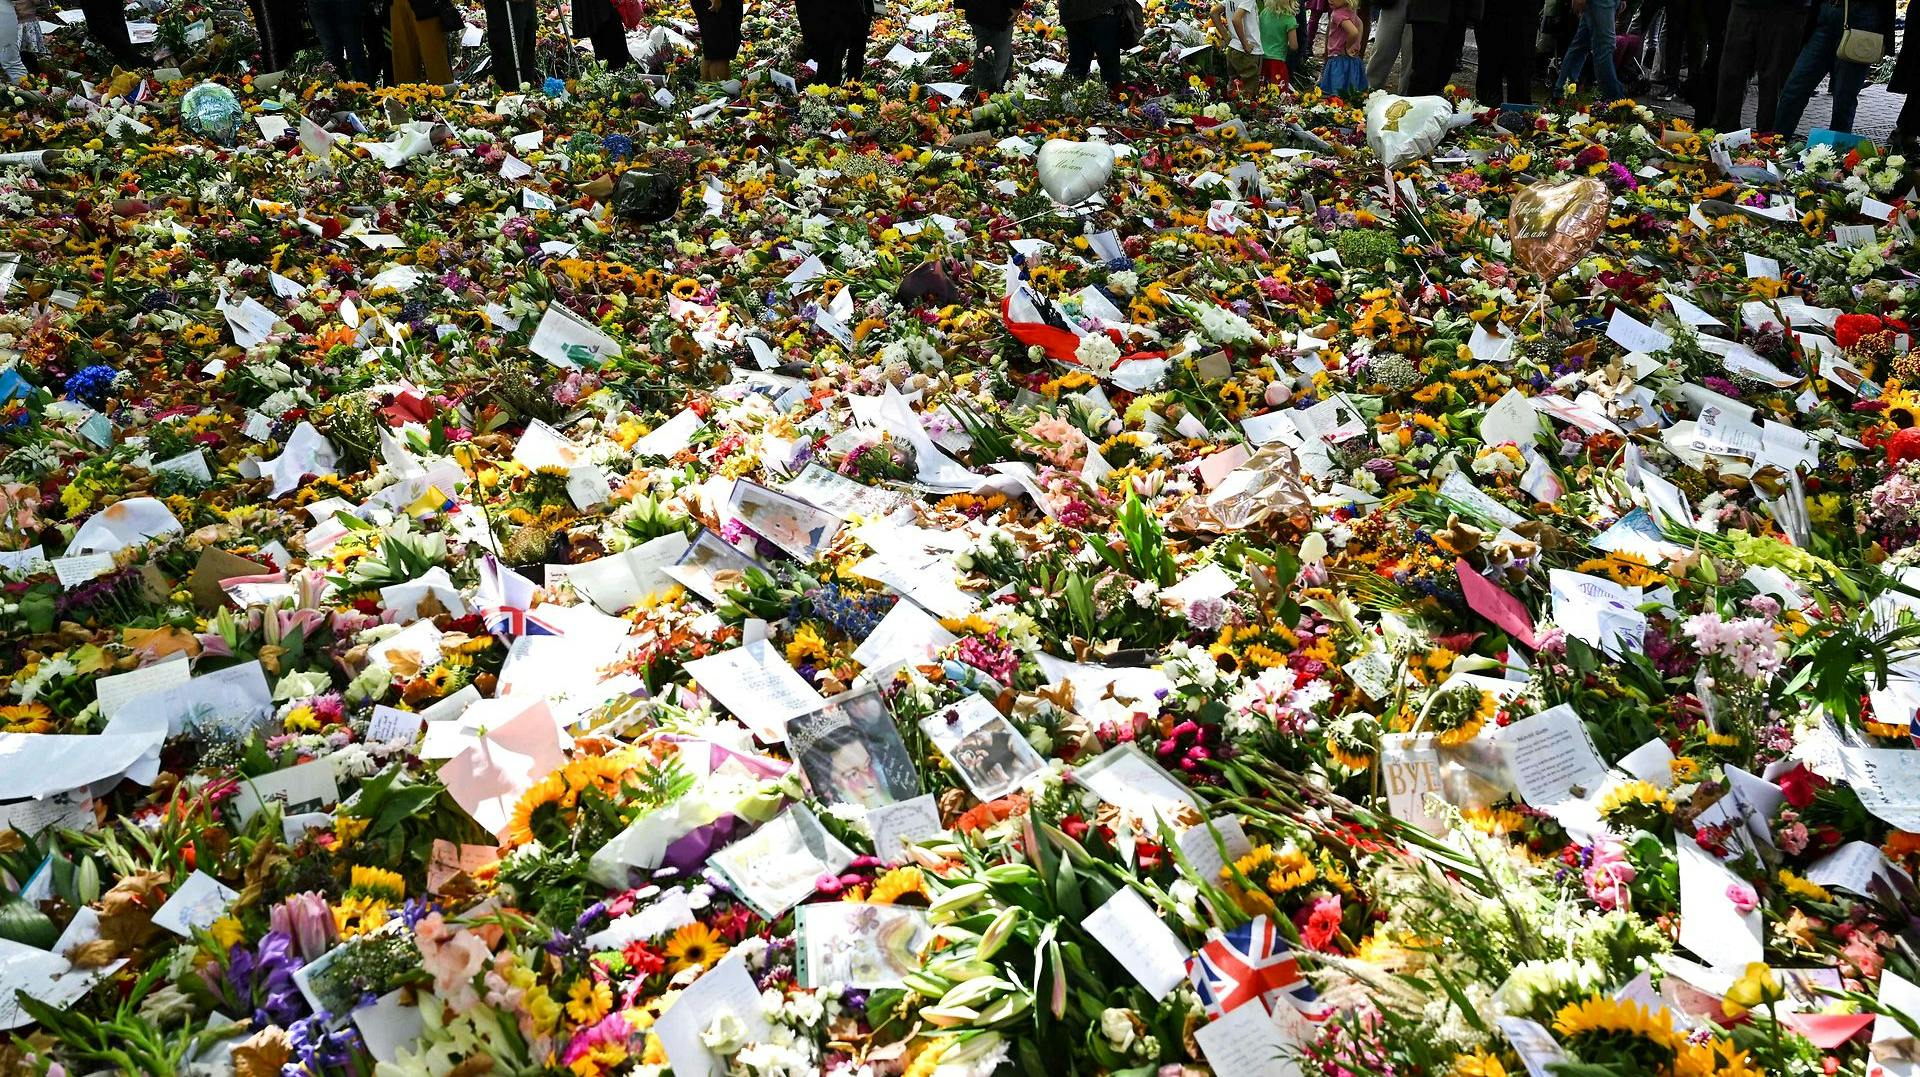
pixel 1245 1042
pixel 1141 941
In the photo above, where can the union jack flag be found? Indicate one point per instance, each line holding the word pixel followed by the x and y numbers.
pixel 511 621
pixel 1250 963
pixel 504 597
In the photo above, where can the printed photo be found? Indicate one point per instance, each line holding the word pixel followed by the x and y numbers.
pixel 851 753
pixel 991 755
pixel 799 529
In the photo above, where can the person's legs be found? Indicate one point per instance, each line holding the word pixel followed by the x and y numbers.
pixel 1490 34
pixel 1773 56
pixel 1079 49
pixel 327 27
pixel 1519 56
pixel 610 44
pixel 859 31
pixel 1703 88
pixel 1849 77
pixel 1812 65
pixel 1388 27
pixel 107 23
pixel 1429 68
pixel 993 58
pixel 509 25
pixel 406 43
pixel 1737 52
pixel 1106 46
pixel 1575 63
pixel 11 65
pixel 1601 17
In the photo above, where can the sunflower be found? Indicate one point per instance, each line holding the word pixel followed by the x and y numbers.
pixel 1478 1064
pixel 1279 870
pixel 1635 805
pixel 1625 569
pixel 1642 1040
pixel 1459 715
pixel 359 915
pixel 694 946
pixel 686 288
pixel 548 790
pixel 377 882
pixel 1352 760
pixel 895 885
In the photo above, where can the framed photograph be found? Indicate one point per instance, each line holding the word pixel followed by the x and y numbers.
pixel 992 756
pixel 860 945
pixel 774 868
pixel 851 753
pixel 799 529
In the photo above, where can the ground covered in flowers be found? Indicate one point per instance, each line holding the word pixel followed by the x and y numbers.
pixel 639 576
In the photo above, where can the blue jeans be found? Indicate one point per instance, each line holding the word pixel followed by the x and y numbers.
pixel 1819 57
pixel 1594 38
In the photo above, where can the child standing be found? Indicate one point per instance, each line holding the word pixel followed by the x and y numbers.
pixel 1345 74
pixel 1279 37
pixel 1239 25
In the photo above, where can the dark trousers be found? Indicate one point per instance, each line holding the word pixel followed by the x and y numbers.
pixel 1908 125
pixel 1436 52
pixel 610 43
pixel 107 22
pixel 281 35
pixel 1505 34
pixel 1090 38
pixel 510 42
pixel 1762 40
pixel 835 36
pixel 339 25
pixel 1710 25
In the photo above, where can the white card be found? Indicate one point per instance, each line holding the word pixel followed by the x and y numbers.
pixel 1140 940
pixel 758 686
pixel 1245 1042
pixel 196 903
pixel 725 989
pixel 393 726
pixel 894 825
pixel 1711 925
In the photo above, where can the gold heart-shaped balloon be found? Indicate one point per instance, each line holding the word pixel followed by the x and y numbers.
pixel 1554 225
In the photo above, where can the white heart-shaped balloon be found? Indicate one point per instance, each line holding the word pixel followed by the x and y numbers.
pixel 1401 129
pixel 1072 171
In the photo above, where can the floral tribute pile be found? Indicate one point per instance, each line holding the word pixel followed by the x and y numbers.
pixel 639 576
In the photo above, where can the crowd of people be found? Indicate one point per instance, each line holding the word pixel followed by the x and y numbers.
pixel 1709 53
pixel 1706 52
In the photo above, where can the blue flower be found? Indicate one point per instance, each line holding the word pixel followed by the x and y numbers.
pixel 617 146
pixel 91 385
pixel 554 86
